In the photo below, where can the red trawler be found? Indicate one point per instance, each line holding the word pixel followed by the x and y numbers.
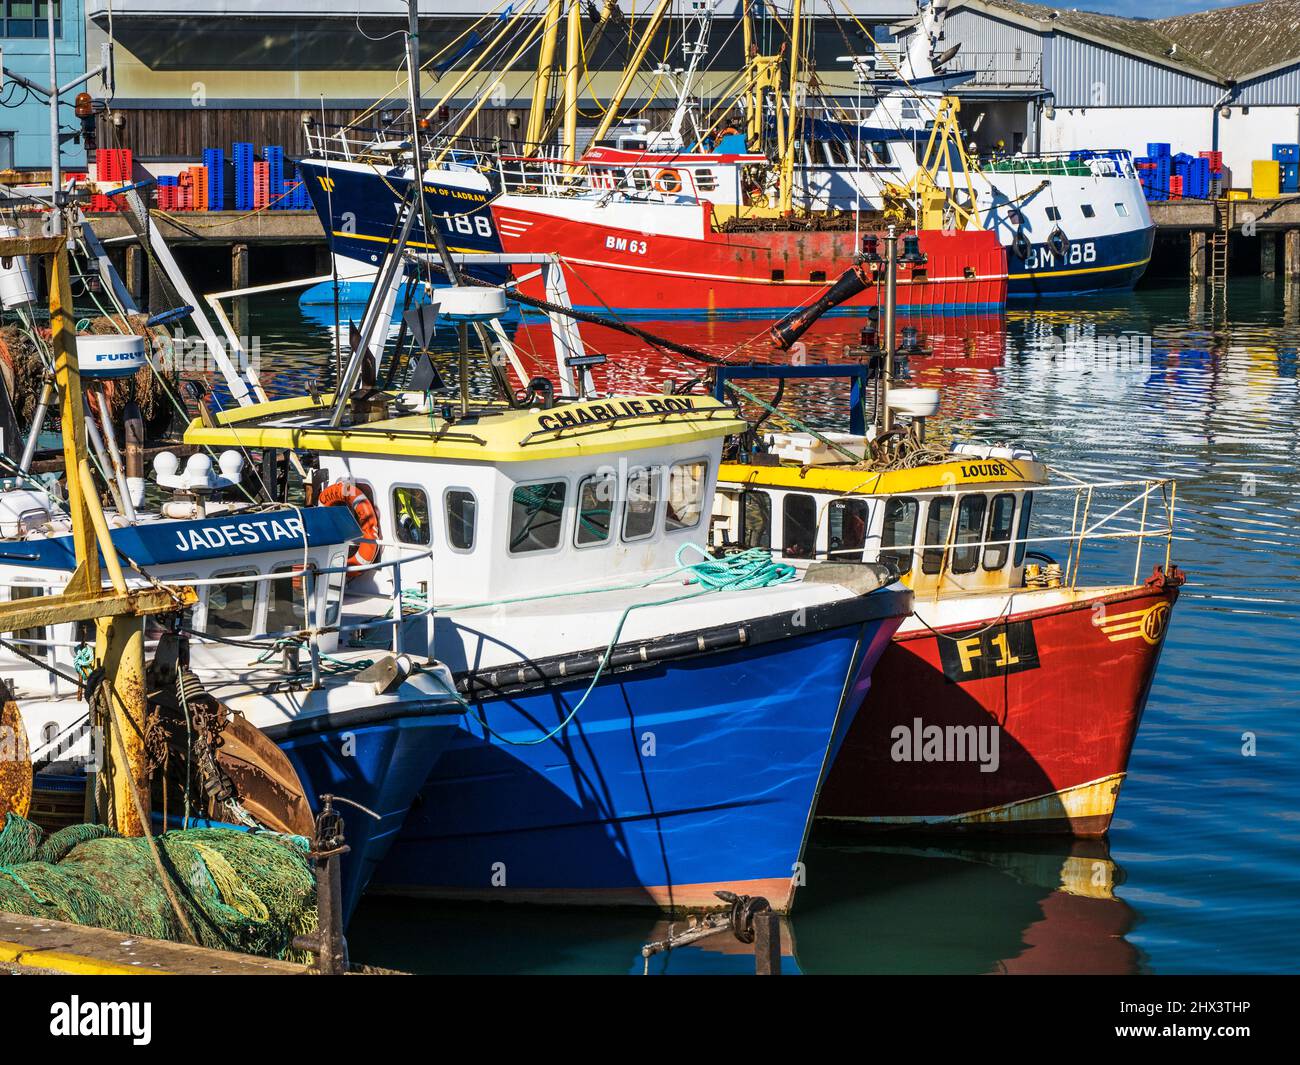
pixel 641 241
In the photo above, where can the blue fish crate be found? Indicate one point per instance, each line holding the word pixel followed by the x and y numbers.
pixel 1158 150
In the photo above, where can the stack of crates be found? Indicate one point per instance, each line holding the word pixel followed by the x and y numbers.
pixel 168 193
pixel 261 184
pixel 199 190
pixel 1155 171
pixel 1287 156
pixel 1214 159
pixel 274 157
pixel 1194 175
pixel 244 177
pixel 113 167
pixel 214 162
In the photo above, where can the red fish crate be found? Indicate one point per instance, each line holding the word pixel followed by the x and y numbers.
pixel 1215 158
pixel 167 197
pixel 1175 187
pixel 101 203
pixel 261 185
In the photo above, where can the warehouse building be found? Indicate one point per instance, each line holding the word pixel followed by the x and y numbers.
pixel 1049 79
pixel 24 116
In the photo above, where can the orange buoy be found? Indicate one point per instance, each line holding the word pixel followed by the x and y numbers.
pixel 343 494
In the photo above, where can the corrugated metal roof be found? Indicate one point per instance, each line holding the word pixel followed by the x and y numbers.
pixel 1240 41
pixel 1230 43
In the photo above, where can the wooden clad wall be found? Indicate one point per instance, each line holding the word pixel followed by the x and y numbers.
pixel 183 133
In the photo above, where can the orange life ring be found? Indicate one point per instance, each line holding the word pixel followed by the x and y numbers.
pixel 343 494
pixel 668 182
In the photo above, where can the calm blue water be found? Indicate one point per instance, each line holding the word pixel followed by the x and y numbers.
pixel 1201 870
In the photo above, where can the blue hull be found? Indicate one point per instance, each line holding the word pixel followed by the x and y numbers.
pixel 1100 264
pixel 381 766
pixel 674 780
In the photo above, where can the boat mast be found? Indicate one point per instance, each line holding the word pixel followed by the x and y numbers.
pixel 572 55
pixel 630 71
pixel 791 144
pixel 542 81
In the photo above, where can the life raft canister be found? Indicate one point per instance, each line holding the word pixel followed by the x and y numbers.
pixel 668 182
pixel 343 494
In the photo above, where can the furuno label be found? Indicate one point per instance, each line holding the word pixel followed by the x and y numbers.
pixel 995 652
pixel 249 533
pixel 608 412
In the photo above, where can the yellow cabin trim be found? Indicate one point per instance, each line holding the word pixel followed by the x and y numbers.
pixel 591 427
pixel 844 481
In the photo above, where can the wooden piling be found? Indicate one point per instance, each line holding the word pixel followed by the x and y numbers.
pixel 1267 254
pixel 239 279
pixel 135 272
pixel 1292 257
pixel 1197 259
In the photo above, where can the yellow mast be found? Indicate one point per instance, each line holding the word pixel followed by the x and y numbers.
pixel 630 71
pixel 545 67
pixel 118 612
pixel 572 55
pixel 791 144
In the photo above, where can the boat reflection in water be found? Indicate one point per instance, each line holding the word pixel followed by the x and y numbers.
pixel 906 906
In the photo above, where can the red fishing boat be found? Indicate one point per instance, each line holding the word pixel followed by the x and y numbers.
pixel 1011 697
pixel 641 241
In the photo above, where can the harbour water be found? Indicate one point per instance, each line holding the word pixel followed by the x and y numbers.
pixel 1200 868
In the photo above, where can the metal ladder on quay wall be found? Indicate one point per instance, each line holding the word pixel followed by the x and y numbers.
pixel 1219 244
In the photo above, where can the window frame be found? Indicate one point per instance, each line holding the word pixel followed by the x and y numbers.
pixel 842 553
pixel 614 510
pixel 786 499
pixel 941 546
pixel 656 519
pixel 428 513
pixel 892 550
pixel 259 600
pixel 957 564
pixel 701 460
pixel 1022 528
pixel 743 531
pixel 446 519
pixel 560 542
pixel 1005 549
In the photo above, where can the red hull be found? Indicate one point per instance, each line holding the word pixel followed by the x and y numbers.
pixel 772 272
pixel 1067 724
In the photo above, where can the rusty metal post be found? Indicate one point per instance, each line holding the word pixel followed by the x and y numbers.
pixel 767 944
pixel 119 647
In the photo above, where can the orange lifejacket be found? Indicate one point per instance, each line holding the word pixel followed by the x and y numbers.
pixel 342 494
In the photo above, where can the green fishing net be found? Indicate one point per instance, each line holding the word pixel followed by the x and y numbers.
pixel 242 891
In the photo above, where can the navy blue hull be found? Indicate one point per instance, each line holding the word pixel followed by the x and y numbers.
pixel 1096 264
pixel 359 212
pixel 671 782
pixel 379 765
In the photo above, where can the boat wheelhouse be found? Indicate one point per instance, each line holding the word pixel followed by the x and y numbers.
pixel 608 665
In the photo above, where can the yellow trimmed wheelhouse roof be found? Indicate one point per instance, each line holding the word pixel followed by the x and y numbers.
pixel 961 471
pixel 491 434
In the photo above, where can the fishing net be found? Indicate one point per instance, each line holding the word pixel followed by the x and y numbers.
pixel 241 891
